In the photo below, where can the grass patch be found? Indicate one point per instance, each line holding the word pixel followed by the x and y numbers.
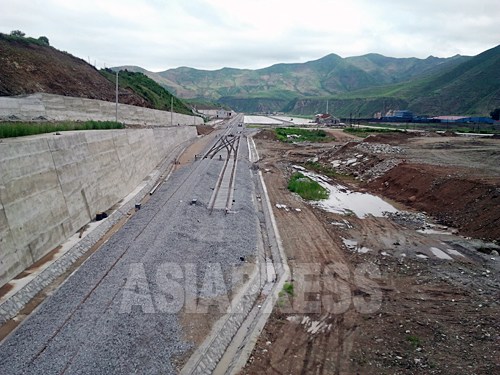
pixel 413 340
pixel 306 188
pixel 302 135
pixel 286 291
pixel 21 129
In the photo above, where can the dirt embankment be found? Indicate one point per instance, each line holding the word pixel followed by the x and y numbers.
pixel 27 68
pixel 454 179
pixel 204 129
pixel 455 201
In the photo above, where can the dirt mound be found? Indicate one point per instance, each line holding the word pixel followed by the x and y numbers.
pixel 266 134
pixel 390 138
pixel 470 205
pixel 27 68
pixel 365 161
pixel 204 129
pixel 448 133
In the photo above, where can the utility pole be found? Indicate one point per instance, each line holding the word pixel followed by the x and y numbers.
pixel 116 107
pixel 172 110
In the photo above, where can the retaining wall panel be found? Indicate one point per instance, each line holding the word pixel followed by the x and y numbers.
pixel 42 180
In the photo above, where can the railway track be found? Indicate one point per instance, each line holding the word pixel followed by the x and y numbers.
pixel 225 149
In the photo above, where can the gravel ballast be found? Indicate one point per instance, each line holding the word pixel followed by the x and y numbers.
pixel 109 316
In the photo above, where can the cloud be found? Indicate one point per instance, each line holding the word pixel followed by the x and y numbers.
pixel 211 34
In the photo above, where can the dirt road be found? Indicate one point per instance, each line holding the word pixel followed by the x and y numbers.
pixel 377 295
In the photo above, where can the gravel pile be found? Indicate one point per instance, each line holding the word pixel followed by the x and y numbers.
pixel 89 326
pixel 379 169
pixel 409 219
pixel 379 148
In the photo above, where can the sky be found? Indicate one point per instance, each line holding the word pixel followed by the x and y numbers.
pixel 212 34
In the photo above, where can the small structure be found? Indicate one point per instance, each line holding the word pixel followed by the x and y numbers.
pixel 215 113
pixel 398 115
pixel 326 119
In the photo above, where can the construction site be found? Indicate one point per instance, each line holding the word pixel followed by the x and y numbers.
pixel 397 272
pixel 212 265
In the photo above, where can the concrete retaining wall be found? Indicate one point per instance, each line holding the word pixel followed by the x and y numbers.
pixel 64 108
pixel 53 185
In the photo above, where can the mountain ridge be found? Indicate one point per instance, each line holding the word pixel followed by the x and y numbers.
pixel 360 84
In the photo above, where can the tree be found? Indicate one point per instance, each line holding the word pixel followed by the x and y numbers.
pixel 18 33
pixel 44 40
pixel 495 115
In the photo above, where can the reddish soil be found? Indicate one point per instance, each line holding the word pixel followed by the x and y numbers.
pixel 391 138
pixel 204 129
pixel 471 205
pixel 427 315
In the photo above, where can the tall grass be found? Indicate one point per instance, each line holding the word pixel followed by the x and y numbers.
pixel 307 188
pixel 20 129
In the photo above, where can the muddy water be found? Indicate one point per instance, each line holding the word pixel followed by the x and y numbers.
pixel 344 201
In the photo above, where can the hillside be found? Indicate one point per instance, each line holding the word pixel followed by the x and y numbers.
pixel 359 85
pixel 26 68
pixel 29 65
pixel 148 89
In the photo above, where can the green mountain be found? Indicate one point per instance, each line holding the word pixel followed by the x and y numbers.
pixel 359 85
pixel 148 89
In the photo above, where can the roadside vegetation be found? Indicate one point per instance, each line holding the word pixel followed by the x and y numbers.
pixel 285 293
pixel 306 187
pixel 20 129
pixel 302 135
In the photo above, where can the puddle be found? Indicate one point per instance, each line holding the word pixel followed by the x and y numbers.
pixel 432 231
pixel 344 201
pixel 454 252
pixel 440 253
